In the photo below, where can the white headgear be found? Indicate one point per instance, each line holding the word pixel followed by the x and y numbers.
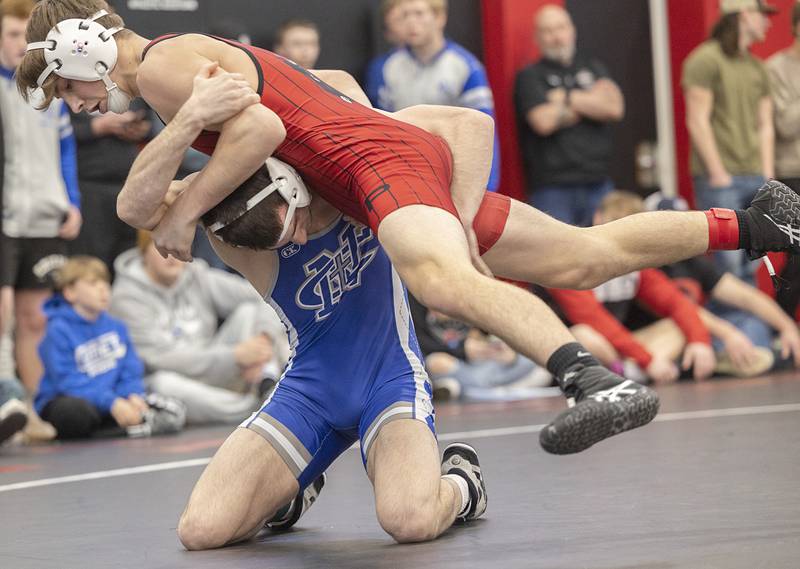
pixel 83 50
pixel 288 183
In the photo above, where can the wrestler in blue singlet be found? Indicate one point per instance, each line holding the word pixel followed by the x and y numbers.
pixel 356 363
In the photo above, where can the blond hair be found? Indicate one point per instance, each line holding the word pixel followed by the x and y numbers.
pixel 438 6
pixel 20 9
pixel 619 204
pixel 45 16
pixel 81 267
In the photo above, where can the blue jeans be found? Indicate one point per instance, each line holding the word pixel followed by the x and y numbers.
pixel 758 331
pixel 10 389
pixel 571 203
pixel 736 196
pixel 490 373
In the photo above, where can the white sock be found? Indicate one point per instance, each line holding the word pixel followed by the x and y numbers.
pixel 461 484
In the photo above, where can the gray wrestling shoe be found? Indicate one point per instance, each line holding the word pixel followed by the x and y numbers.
pixel 288 515
pixel 462 460
pixel 166 415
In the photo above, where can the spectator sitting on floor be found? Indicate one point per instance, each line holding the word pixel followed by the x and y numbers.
pixel 750 311
pixel 298 40
pixel 92 375
pixel 465 363
pixel 612 310
pixel 173 310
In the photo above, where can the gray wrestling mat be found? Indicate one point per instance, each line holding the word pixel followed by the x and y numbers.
pixel 713 484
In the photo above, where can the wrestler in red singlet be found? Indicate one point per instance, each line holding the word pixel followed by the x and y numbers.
pixel 362 162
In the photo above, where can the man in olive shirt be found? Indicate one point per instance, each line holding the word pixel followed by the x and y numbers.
pixel 784 70
pixel 729 114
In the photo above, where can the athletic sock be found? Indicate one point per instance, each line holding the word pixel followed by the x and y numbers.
pixel 566 357
pixel 727 230
pixel 463 490
pixel 744 231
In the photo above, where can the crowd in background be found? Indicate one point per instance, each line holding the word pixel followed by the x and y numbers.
pixel 109 338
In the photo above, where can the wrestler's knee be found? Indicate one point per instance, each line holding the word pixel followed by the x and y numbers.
pixel 442 288
pixel 409 522
pixel 198 532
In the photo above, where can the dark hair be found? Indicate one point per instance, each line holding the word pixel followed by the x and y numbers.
pixel 257 229
pixel 726 32
pixel 280 33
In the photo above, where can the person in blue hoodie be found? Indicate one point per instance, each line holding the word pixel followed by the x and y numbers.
pixel 92 375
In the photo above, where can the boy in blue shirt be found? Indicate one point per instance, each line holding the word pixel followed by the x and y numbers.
pixel 92 375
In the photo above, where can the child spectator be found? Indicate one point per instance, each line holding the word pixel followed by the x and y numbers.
pixel 612 309
pixel 174 310
pixel 92 375
pixel 462 362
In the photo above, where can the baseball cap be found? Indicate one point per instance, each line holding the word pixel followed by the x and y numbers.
pixel 734 6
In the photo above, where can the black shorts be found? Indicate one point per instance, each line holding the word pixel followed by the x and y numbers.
pixel 28 263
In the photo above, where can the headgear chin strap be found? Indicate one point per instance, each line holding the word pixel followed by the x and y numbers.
pixel 288 183
pixel 83 50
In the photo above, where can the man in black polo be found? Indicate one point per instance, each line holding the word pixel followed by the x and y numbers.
pixel 565 103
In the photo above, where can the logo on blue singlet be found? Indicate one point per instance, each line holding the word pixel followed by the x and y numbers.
pixel 290 250
pixel 331 274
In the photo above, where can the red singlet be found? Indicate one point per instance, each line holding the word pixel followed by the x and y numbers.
pixel 362 162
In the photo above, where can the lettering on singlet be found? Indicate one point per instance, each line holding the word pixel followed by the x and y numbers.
pixel 332 273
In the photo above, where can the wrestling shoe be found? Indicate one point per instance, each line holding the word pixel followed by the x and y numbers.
pixel 288 515
pixel 602 404
pixel 462 460
pixel 773 220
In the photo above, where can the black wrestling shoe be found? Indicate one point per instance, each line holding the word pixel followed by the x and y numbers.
pixel 462 460
pixel 773 220
pixel 288 515
pixel 602 404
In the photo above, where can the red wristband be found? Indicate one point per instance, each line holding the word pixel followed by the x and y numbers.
pixel 723 229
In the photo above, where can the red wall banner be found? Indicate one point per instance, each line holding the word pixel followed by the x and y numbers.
pixel 508 46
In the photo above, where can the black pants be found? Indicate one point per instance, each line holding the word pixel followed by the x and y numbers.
pixel 102 235
pixel 76 418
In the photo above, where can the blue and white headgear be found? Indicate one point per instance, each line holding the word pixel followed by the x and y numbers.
pixel 288 183
pixel 83 50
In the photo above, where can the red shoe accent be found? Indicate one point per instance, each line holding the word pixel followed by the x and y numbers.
pixel 723 229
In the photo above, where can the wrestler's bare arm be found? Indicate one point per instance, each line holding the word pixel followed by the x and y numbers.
pixel 345 83
pixel 246 140
pixel 258 267
pixel 216 97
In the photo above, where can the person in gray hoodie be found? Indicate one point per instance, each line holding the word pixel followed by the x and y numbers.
pixel 173 310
